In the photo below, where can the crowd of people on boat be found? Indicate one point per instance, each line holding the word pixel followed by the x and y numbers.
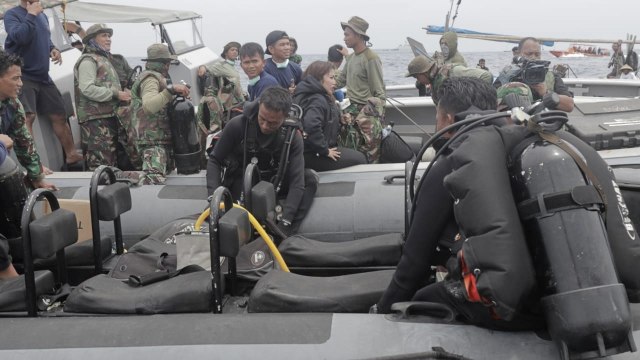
pixel 124 116
pixel 291 122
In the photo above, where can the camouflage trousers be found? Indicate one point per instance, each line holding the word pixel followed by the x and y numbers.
pixel 157 162
pixel 126 138
pixel 364 132
pixel 99 142
pixel 210 113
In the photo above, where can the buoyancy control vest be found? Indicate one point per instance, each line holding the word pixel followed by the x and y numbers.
pixel 272 158
pixel 561 204
pixel 494 261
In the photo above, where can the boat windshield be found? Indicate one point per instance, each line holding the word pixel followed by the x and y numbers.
pixel 183 35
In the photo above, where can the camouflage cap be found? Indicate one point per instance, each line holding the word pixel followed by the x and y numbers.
pixel 419 65
pixel 358 25
pixel 160 52
pixel 94 30
pixel 521 90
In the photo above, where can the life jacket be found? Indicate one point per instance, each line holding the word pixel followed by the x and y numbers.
pixel 494 260
pixel 272 159
pixel 107 77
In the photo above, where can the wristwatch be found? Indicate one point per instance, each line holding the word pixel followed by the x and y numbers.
pixel 170 89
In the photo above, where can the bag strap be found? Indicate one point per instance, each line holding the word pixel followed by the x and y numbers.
pixel 154 277
pixel 555 139
pixel 547 204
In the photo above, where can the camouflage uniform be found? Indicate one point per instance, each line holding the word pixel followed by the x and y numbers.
pixel 98 120
pixel 519 89
pixel 13 125
pixel 453 70
pixel 122 68
pixel 151 133
pixel 222 93
pixel 364 132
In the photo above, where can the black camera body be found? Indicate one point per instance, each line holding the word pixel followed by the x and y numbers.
pixel 531 71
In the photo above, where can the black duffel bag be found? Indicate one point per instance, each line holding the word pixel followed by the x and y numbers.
pixel 393 149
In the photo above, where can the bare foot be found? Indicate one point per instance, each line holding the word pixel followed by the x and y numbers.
pixel 46 170
pixel 73 158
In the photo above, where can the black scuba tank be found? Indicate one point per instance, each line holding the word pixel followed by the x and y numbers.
pixel 13 194
pixel 184 135
pixel 586 308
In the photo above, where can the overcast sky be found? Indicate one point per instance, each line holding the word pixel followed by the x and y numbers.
pixel 316 24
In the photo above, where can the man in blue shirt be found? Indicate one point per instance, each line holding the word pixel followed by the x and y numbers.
pixel 287 73
pixel 29 37
pixel 252 62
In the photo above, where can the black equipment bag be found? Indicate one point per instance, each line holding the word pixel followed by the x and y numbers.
pixel 393 149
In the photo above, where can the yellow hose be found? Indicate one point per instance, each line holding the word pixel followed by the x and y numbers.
pixel 256 225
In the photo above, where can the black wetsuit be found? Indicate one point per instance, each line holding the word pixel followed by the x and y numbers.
pixel 228 152
pixel 433 220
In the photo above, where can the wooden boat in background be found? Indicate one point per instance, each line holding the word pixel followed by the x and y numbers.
pixel 581 50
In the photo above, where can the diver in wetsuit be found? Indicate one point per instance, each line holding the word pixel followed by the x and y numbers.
pixel 259 135
pixel 435 227
pixel 434 220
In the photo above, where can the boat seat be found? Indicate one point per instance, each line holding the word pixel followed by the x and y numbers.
pixel 43 237
pixel 279 291
pixel 382 250
pixel 12 291
pixel 190 292
pixel 107 204
pixel 328 257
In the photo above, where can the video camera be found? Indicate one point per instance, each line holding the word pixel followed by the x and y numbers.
pixel 529 71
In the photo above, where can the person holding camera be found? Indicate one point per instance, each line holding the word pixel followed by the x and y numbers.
pixel 262 134
pixel 530 55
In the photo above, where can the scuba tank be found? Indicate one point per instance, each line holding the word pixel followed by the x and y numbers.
pixel 185 136
pixel 13 195
pixel 561 206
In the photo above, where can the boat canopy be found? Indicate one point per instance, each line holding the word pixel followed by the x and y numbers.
pixel 108 13
pixel 8 4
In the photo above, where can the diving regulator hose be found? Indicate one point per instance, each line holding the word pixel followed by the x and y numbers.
pixel 256 225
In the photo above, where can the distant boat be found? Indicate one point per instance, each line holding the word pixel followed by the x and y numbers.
pixel 403 47
pixel 581 50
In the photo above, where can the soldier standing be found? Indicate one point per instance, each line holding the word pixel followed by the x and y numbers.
pixel 98 94
pixel 362 75
pixel 617 60
pixel 150 97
